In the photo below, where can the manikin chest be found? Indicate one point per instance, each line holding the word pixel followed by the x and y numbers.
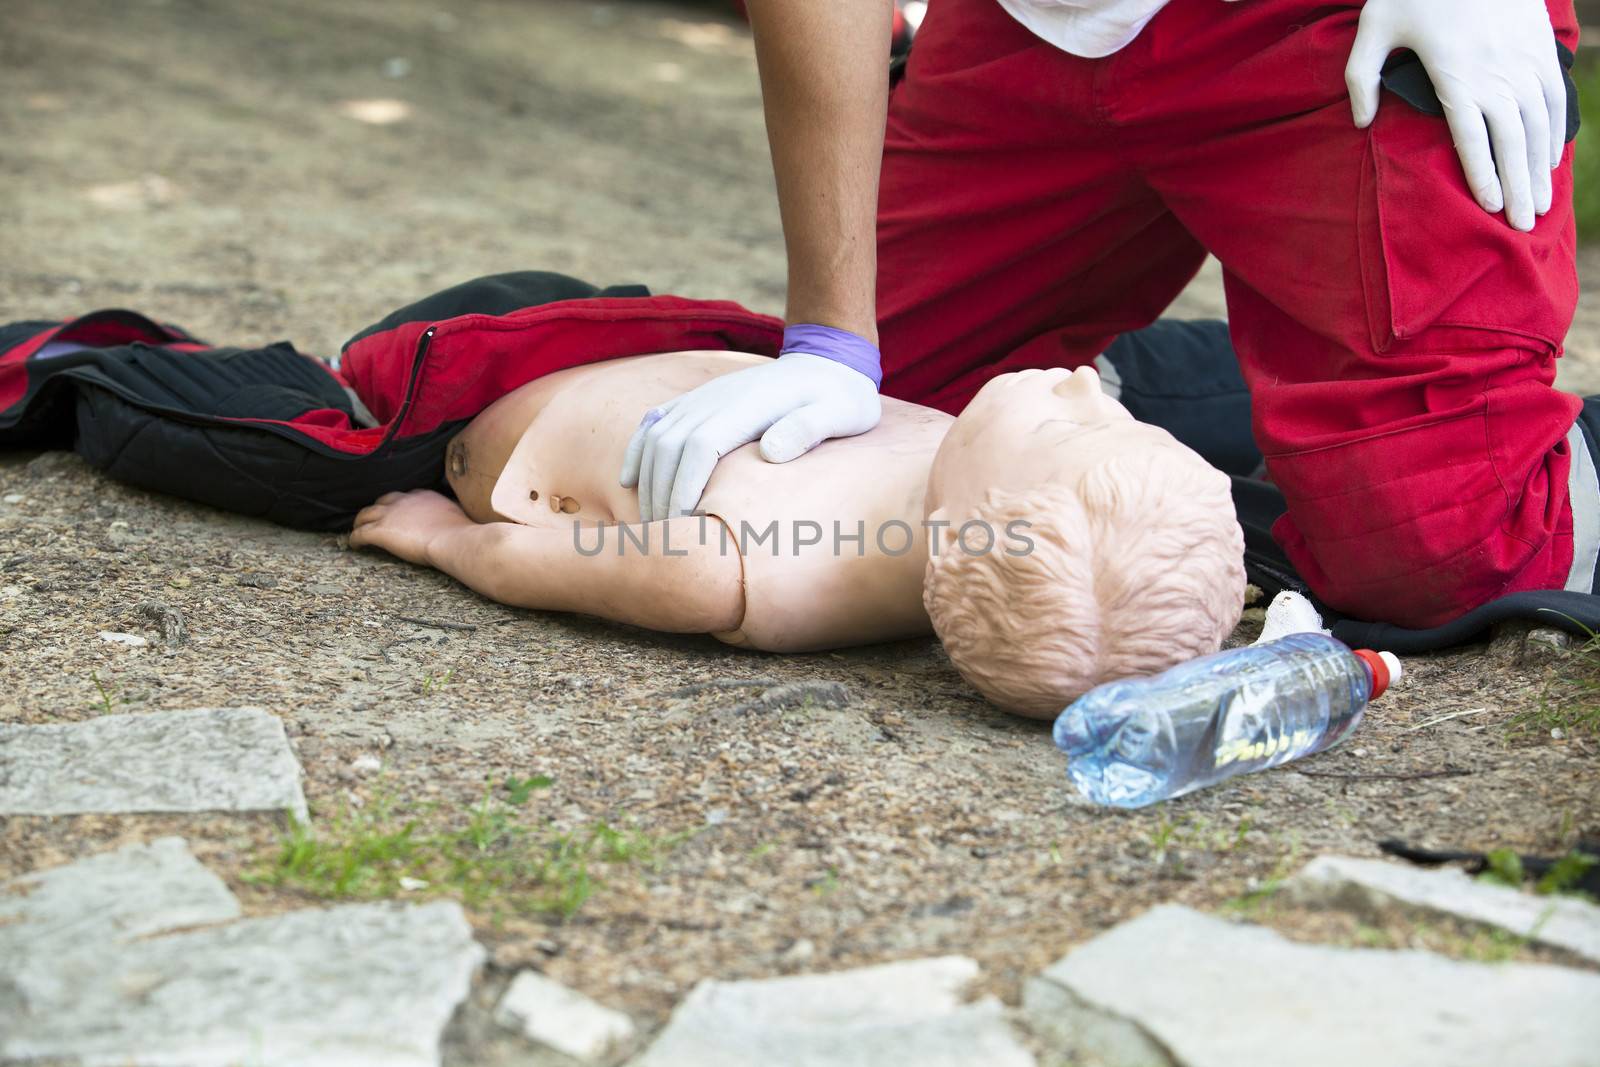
pixel 566 462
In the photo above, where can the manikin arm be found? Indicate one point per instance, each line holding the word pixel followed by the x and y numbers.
pixel 674 584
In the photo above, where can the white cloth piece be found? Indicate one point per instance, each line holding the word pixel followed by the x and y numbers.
pixel 1110 377
pixel 1289 613
pixel 1088 28
pixel 364 417
pixel 1583 495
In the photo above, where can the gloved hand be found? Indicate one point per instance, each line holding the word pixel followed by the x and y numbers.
pixel 792 403
pixel 1493 64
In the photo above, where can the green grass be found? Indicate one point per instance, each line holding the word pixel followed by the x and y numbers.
pixel 1570 700
pixel 491 856
pixel 1568 871
pixel 1505 868
pixel 1196 833
pixel 827 883
pixel 1459 941
pixel 108 699
pixel 1586 153
pixel 431 681
pixel 1258 901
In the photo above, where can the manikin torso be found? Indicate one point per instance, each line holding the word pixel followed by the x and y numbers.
pixel 548 454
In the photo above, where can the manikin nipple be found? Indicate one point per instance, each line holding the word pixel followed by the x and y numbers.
pixel 458 459
pixel 566 505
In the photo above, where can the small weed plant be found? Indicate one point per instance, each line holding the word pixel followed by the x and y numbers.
pixel 491 856
pixel 1504 867
pixel 107 700
pixel 1570 700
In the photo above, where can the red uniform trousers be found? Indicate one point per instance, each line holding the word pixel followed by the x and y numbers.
pixel 1398 341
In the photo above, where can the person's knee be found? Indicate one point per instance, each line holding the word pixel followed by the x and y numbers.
pixel 1419 518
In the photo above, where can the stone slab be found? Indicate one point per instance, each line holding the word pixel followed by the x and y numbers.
pixel 361 985
pixel 1176 987
pixel 207 759
pixel 136 891
pixel 1369 887
pixel 550 1014
pixel 909 1012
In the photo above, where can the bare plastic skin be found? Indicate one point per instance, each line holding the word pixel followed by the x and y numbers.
pixel 1048 538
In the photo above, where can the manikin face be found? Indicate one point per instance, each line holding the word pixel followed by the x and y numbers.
pixel 1032 428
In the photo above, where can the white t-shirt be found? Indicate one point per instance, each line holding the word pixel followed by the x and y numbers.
pixel 1088 28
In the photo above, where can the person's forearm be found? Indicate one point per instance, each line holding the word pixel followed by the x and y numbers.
pixel 659 579
pixel 825 83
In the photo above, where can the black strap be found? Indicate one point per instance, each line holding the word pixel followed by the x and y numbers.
pixel 1405 76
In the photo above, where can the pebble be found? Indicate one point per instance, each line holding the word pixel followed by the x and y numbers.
pixel 1177 987
pixel 801 694
pixel 113 637
pixel 801 951
pixel 167 620
pixel 110 898
pixel 140 955
pixel 910 1012
pixel 1551 638
pixel 550 1014
pixel 1370 887
pixel 206 759
pixel 360 985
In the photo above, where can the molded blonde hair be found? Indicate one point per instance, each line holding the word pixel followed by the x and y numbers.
pixel 1136 568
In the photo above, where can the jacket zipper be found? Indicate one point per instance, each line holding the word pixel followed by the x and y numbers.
pixel 410 398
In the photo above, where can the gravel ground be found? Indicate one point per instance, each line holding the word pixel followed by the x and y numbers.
pixel 200 161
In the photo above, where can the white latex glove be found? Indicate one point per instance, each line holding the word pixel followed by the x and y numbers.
pixel 792 403
pixel 1493 64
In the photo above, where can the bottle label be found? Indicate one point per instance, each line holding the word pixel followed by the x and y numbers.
pixel 1244 749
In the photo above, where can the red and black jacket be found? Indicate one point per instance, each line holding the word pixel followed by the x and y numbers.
pixel 273 433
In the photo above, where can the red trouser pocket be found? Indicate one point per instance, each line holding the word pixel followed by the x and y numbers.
pixel 1431 257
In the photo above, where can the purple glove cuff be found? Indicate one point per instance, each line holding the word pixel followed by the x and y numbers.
pixel 841 346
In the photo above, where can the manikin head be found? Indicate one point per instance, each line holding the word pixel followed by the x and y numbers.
pixel 1136 560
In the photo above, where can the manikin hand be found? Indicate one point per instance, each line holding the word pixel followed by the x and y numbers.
pixel 1493 64
pixel 792 404
pixel 408 524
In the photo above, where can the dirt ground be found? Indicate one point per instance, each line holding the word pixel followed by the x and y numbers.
pixel 215 164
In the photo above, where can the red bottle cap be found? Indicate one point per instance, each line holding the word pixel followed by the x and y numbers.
pixel 1379 666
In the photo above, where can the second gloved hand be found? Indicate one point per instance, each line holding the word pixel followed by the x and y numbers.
pixel 1494 65
pixel 792 404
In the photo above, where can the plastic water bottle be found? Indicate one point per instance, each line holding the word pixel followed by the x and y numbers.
pixel 1132 743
